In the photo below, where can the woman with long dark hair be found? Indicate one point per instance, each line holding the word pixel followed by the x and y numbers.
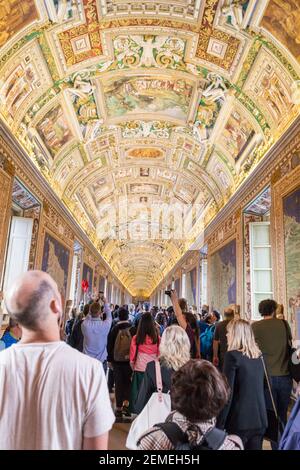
pixel 144 348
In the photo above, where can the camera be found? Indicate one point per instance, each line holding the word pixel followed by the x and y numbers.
pixel 168 292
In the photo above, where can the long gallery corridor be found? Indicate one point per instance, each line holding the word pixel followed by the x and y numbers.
pixel 149 225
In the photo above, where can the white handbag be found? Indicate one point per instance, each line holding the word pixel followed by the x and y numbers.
pixel 155 411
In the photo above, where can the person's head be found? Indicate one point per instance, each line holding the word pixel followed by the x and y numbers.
pixel 73 314
pixel 14 328
pixel 95 297
pixel 280 312
pixel 117 307
pixel 174 348
pixel 236 308
pixel 131 308
pixel 240 337
pixel 183 304
pixel 215 316
pixel 205 308
pixel 198 391
pixel 170 311
pixel 112 307
pixel 267 308
pixel 34 302
pixel 86 310
pixel 228 313
pixel 146 307
pixel 153 312
pixel 95 309
pixel 146 327
pixel 192 321
pixel 123 314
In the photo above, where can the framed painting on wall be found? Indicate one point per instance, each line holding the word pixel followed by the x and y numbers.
pixel 291 221
pixel 191 286
pixel 177 286
pixel 222 272
pixel 55 261
pixel 108 292
pixel 286 243
pixel 101 283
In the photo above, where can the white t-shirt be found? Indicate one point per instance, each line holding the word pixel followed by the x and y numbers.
pixel 50 397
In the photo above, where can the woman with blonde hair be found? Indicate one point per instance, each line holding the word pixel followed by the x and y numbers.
pixel 280 312
pixel 174 352
pixel 245 414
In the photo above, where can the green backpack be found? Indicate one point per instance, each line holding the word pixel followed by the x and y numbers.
pixel 122 345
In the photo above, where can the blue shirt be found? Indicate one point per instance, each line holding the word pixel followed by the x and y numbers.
pixel 95 332
pixel 7 340
pixel 202 326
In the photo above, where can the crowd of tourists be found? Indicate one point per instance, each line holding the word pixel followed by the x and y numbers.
pixel 208 380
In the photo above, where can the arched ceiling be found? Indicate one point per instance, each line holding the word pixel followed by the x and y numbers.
pixel 134 110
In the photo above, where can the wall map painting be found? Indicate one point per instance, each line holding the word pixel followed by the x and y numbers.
pixel 223 277
pixel 56 263
pixel 291 213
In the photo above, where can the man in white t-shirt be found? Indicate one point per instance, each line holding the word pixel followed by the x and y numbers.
pixel 52 396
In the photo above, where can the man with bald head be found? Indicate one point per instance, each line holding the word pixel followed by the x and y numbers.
pixel 52 396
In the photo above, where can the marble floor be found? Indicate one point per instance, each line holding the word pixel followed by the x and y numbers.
pixel 118 436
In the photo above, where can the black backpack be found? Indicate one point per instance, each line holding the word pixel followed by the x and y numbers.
pixel 213 439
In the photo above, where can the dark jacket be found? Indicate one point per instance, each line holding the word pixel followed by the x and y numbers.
pixel 148 386
pixel 112 336
pixel 246 409
pixel 68 328
pixel 76 336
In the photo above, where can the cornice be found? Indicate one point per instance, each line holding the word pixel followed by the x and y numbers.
pixel 16 154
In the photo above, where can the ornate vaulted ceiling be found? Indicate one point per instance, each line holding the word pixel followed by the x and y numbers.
pixel 126 106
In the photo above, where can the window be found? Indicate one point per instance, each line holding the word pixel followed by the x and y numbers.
pixel 260 265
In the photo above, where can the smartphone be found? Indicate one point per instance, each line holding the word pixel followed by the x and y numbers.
pixel 168 292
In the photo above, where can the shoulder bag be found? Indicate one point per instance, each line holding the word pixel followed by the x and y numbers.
pixel 156 410
pixel 294 362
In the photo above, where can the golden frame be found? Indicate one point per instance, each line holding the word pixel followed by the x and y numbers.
pixel 280 190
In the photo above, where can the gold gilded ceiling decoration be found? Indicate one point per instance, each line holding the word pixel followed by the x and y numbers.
pixel 145 117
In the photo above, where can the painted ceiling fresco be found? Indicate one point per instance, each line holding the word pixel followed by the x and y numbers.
pixel 130 108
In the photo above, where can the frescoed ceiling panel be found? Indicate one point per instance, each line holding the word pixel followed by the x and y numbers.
pixel 145 117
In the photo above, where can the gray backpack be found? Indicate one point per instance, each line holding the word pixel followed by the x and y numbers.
pixel 122 346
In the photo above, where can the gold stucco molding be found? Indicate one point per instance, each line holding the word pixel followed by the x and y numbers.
pixel 6 182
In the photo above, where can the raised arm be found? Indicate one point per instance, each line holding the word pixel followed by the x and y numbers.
pixel 178 312
pixel 107 311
